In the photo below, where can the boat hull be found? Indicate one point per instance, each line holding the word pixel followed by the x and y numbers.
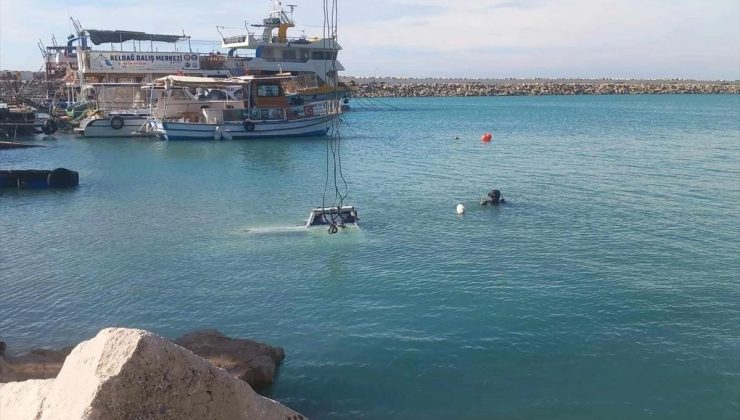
pixel 102 127
pixel 305 127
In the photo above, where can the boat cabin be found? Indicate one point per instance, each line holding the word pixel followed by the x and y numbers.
pixel 248 98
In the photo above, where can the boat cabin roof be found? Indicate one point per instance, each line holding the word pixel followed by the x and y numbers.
pixel 103 36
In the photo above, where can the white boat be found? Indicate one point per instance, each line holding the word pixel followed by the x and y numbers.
pixel 275 52
pixel 265 112
pixel 124 109
pixel 119 124
pixel 120 110
pixel 104 85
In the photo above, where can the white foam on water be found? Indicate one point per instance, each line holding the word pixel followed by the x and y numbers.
pixel 294 230
pixel 276 230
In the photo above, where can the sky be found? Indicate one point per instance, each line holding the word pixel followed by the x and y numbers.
pixel 690 39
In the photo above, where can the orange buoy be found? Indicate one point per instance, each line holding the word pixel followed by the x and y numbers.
pixel 486 137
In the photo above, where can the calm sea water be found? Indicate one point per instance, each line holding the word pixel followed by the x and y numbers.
pixel 607 287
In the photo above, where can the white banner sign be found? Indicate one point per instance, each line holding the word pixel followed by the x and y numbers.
pixel 141 62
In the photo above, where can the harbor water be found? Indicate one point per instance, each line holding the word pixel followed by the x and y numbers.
pixel 608 285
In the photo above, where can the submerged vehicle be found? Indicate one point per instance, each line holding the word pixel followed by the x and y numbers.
pixel 332 217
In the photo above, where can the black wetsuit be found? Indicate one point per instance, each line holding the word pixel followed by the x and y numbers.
pixel 494 198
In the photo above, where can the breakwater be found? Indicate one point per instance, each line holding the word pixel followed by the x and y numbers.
pixel 402 87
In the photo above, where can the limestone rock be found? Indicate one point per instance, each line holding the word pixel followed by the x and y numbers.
pixel 23 400
pixel 253 362
pixel 134 374
pixel 38 364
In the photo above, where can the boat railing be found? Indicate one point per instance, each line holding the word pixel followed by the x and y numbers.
pixel 312 109
pixel 284 60
pixel 258 39
pixel 255 114
pixel 276 40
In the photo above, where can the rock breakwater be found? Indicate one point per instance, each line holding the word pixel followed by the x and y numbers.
pixel 126 374
pixel 391 87
pixel 253 362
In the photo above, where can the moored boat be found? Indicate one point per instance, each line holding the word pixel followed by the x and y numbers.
pixel 268 110
pixel 275 52
pixel 21 120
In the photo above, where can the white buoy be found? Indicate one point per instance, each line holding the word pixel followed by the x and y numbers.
pixel 460 209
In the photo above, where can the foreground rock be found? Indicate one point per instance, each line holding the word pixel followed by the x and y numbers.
pixel 23 400
pixel 128 374
pixel 251 361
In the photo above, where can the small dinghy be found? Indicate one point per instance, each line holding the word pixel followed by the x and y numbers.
pixel 333 217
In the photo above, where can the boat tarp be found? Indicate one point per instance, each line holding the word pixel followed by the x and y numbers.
pixel 101 37
pixel 211 82
pixel 204 82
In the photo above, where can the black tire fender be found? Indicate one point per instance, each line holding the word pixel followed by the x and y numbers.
pixel 116 123
pixel 63 178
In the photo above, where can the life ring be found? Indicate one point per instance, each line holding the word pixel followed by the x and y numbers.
pixel 308 110
pixel 116 123
pixel 248 125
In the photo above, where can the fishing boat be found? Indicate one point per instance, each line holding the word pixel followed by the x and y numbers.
pixel 21 120
pixel 123 109
pixel 270 108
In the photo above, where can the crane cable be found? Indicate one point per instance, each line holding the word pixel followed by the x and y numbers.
pixel 333 142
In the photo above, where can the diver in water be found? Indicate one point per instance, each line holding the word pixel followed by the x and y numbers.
pixel 494 198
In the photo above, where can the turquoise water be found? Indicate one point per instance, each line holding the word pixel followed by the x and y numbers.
pixel 608 287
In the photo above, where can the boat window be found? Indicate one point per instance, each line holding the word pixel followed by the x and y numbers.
pixel 216 95
pixel 323 55
pixel 239 94
pixel 268 90
pixel 289 54
pixel 178 95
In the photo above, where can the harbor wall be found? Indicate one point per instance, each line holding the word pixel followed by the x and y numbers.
pixel 403 87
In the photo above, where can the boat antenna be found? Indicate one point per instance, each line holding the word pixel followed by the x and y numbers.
pixel 292 7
